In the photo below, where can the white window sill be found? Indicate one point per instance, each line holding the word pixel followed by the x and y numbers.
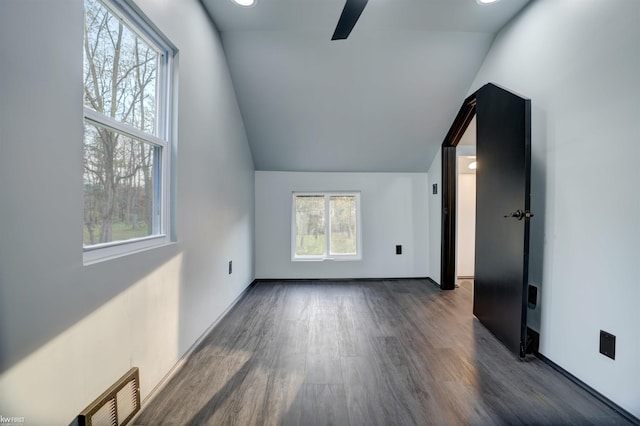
pixel 327 259
pixel 110 251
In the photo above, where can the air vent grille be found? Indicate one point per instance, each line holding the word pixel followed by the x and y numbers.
pixel 106 415
pixel 127 400
pixel 117 405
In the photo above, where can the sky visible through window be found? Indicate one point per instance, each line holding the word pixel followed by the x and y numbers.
pixel 120 83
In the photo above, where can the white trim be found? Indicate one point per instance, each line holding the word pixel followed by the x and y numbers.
pixel 121 242
pixel 122 248
pixel 121 127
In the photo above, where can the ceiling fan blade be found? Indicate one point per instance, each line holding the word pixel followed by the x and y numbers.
pixel 350 15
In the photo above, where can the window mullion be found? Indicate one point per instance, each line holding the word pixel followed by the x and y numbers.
pixel 120 127
pixel 156 203
pixel 160 90
pixel 327 225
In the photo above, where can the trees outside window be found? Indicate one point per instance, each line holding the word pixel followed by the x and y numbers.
pixel 326 226
pixel 127 70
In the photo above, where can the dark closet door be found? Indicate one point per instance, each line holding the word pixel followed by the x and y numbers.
pixel 502 214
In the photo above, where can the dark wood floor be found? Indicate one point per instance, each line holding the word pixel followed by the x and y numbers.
pixel 397 352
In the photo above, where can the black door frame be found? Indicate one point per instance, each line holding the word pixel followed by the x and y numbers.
pixel 448 211
pixel 449 195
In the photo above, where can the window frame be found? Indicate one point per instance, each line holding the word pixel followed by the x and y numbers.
pixel 164 137
pixel 327 227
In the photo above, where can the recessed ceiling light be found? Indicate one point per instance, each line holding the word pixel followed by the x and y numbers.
pixel 486 1
pixel 473 165
pixel 247 3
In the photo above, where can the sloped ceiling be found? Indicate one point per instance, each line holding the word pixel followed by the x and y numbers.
pixel 380 101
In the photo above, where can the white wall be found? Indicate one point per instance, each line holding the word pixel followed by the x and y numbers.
pixel 394 211
pixel 68 331
pixel 466 225
pixel 579 63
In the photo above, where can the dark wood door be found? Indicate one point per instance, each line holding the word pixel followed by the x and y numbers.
pixel 502 214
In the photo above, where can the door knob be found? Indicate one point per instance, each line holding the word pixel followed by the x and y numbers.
pixel 519 214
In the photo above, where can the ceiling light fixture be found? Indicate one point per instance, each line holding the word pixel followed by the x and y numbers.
pixel 486 1
pixel 245 3
pixel 473 165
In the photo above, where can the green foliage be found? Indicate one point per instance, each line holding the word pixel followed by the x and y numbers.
pixel 122 231
pixel 343 243
pixel 309 245
pixel 311 225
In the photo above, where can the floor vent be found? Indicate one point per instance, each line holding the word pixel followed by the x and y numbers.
pixel 117 405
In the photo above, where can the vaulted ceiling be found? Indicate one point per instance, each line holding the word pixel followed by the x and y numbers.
pixel 380 101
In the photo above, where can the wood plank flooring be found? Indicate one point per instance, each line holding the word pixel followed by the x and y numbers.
pixel 387 352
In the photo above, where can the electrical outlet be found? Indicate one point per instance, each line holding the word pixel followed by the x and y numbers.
pixel 398 249
pixel 230 267
pixel 607 344
pixel 533 296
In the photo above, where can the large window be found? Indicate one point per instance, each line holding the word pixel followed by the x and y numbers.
pixel 326 226
pixel 127 149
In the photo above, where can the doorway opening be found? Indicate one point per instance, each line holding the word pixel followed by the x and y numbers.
pixel 449 191
pixel 503 193
pixel 466 205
